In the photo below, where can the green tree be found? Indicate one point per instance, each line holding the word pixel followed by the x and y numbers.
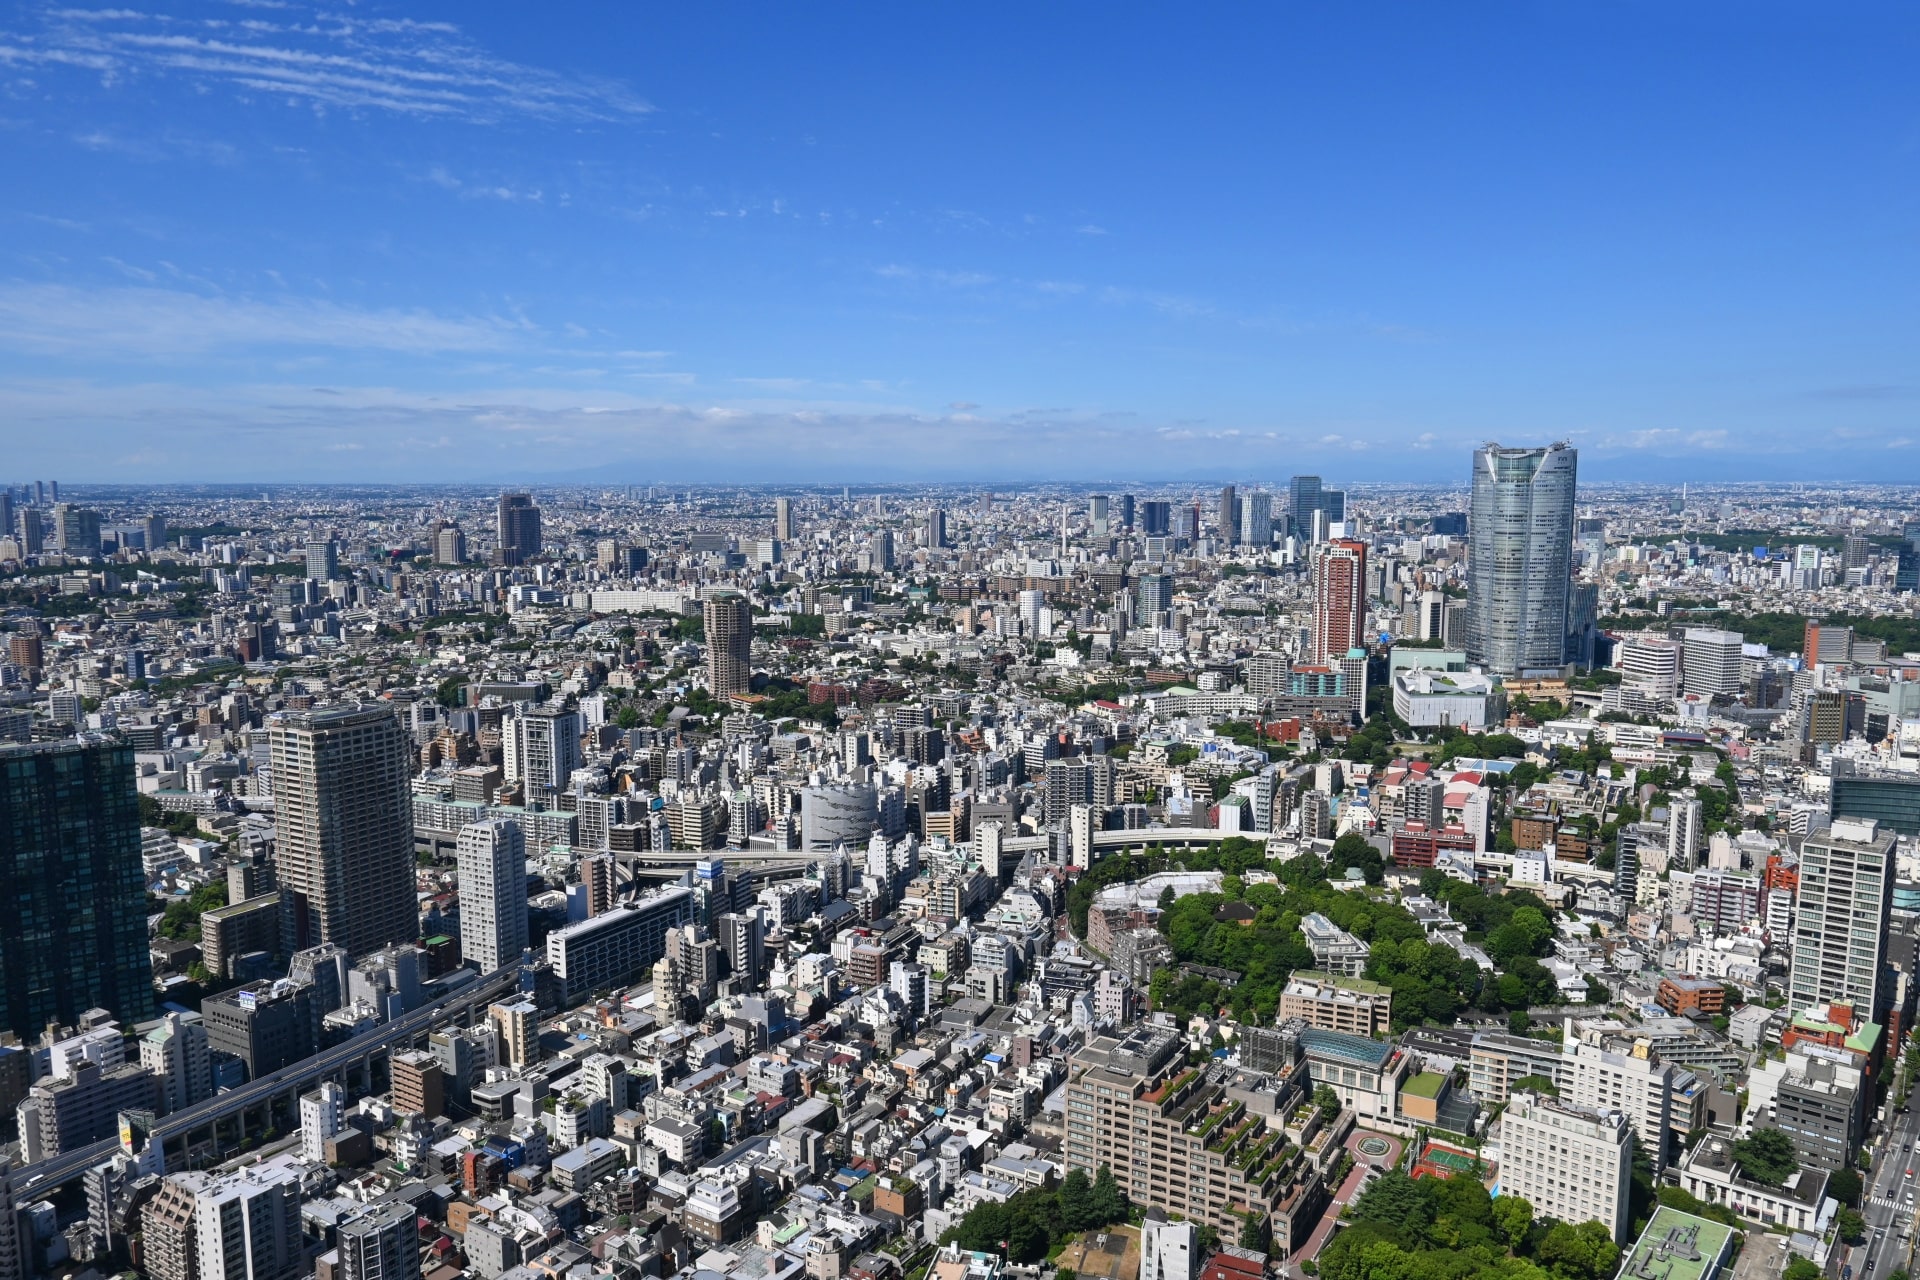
pixel 1844 1185
pixel 1326 1101
pixel 1076 1201
pixel 1512 1219
pixel 1766 1156
pixel 1850 1226
pixel 1394 1200
pixel 1254 1234
pixel 1800 1269
pixel 1535 1084
pixel 1109 1202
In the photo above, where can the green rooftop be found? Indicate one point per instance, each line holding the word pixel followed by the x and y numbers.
pixel 1427 1084
pixel 1678 1246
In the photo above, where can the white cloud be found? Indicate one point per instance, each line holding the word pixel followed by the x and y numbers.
pixel 150 323
pixel 325 60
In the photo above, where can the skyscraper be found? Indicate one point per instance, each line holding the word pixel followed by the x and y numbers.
pixel 1906 572
pixel 1520 558
pixel 729 626
pixel 1156 518
pixel 75 933
pixel 1339 598
pixel 1256 518
pixel 1229 520
pixel 323 560
pixel 1126 512
pixel 1840 920
pixel 449 544
pixel 936 528
pixel 783 519
pixel 76 530
pixel 1153 596
pixel 518 535
pixel 344 813
pixel 493 893
pixel 1098 516
pixel 1303 499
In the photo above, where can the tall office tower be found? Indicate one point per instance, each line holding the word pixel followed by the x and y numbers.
pixel 540 749
pixel 6 512
pixel 380 1242
pixel 1303 500
pixel 248 1224
pixel 1098 518
pixel 176 1052
pixel 936 528
pixel 1156 518
pixel 1840 920
pixel 1152 596
pixel 1520 556
pixel 449 544
pixel 1256 519
pixel 783 519
pixel 1229 518
pixel 1906 573
pixel 883 549
pixel 1339 598
pixel 76 530
pixel 344 814
pixel 518 533
pixel 75 932
pixel 1712 666
pixel 1126 512
pixel 1855 551
pixel 323 560
pixel 729 624
pixel 153 531
pixel 493 893
pixel 32 531
pixel 1570 1162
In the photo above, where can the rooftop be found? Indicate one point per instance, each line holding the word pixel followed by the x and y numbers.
pixel 1677 1246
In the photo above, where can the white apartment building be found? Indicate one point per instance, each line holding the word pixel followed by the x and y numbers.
pixel 1840 928
pixel 1568 1161
pixel 323 1113
pixel 493 893
pixel 1168 1250
pixel 1615 1075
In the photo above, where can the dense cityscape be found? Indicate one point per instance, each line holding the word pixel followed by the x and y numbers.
pixel 1508 875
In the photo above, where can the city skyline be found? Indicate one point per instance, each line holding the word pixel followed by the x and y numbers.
pixel 290 245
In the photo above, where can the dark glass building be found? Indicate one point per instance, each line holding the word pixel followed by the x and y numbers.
pixel 71 885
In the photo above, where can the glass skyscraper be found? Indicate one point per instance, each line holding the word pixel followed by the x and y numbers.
pixel 1520 547
pixel 74 894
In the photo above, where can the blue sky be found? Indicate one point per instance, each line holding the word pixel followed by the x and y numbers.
pixel 268 240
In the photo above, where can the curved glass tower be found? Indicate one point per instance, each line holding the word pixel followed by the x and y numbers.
pixel 1520 548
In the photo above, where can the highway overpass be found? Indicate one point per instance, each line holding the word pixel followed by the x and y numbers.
pixel 31 1182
